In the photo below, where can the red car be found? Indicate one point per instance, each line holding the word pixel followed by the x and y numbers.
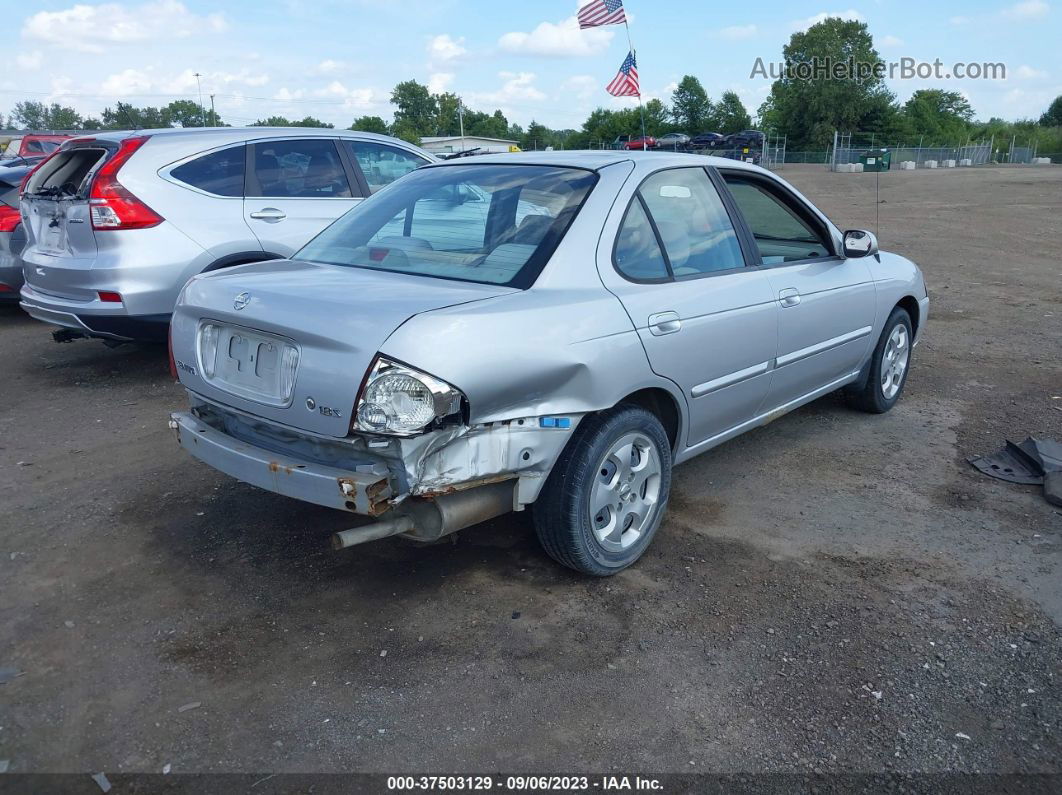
pixel 648 142
pixel 35 144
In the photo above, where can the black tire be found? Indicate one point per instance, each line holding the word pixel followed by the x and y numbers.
pixel 870 396
pixel 562 512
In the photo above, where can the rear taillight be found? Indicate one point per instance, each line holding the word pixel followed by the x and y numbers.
pixel 6 288
pixel 111 205
pixel 109 297
pixel 173 362
pixel 9 218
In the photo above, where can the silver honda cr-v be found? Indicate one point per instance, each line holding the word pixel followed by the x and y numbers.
pixel 116 223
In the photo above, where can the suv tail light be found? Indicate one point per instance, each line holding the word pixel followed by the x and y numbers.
pixel 112 206
pixel 9 218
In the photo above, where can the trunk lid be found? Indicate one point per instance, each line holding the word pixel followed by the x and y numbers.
pixel 334 318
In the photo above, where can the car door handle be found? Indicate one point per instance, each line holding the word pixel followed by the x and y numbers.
pixel 271 214
pixel 664 323
pixel 789 297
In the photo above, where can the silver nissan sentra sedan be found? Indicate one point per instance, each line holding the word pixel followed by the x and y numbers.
pixel 554 330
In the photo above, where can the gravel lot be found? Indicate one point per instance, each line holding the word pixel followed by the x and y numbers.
pixel 833 592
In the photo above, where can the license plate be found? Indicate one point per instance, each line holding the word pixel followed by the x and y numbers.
pixel 255 365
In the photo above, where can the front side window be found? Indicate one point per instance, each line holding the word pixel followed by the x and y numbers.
pixel 306 169
pixel 782 235
pixel 494 224
pixel 382 164
pixel 220 173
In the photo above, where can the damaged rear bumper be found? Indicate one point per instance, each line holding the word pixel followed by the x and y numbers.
pixel 370 475
pixel 366 493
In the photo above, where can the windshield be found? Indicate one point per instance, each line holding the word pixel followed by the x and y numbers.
pixel 493 224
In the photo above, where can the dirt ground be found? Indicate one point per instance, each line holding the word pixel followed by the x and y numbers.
pixel 833 592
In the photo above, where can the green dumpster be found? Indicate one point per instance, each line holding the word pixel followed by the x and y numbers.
pixel 876 160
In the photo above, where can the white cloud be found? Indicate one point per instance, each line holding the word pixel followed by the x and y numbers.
pixel 803 24
pixel 128 81
pixel 581 87
pixel 557 39
pixel 1028 73
pixel 439 82
pixel 29 60
pixel 88 28
pixel 286 95
pixel 891 41
pixel 737 32
pixel 443 48
pixel 517 87
pixel 1030 9
pixel 329 67
pixel 353 98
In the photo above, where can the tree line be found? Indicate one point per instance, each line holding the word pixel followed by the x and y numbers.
pixel 806 111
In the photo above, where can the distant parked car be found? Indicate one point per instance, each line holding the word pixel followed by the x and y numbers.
pixel 34 145
pixel 646 142
pixel 561 360
pixel 119 221
pixel 745 138
pixel 673 140
pixel 707 140
pixel 12 236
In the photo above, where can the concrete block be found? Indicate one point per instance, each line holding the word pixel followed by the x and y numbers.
pixel 1041 161
pixel 949 164
pixel 907 165
pixel 931 164
pixel 857 167
pixel 966 161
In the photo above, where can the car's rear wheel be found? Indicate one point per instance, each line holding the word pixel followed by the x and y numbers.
pixel 889 366
pixel 607 493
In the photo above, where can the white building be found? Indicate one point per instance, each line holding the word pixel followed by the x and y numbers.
pixel 445 144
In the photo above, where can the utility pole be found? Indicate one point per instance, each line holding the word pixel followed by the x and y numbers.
pixel 213 115
pixel 202 110
pixel 461 121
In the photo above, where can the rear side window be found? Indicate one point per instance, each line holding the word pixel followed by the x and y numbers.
pixel 688 222
pixel 382 164
pixel 220 173
pixel 307 169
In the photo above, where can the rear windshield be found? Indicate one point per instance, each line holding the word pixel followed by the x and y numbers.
pixel 493 224
pixel 65 174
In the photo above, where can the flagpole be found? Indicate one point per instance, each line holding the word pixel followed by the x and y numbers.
pixel 641 108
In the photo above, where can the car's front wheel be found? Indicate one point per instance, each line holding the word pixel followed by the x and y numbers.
pixel 888 366
pixel 606 495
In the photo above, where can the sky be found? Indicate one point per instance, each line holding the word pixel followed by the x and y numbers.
pixel 339 59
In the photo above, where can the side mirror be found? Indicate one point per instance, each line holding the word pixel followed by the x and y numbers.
pixel 860 243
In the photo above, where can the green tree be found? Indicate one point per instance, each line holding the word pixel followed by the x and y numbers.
pixel 185 113
pixel 808 108
pixel 940 116
pixel 731 115
pixel 657 118
pixel 38 116
pixel 373 124
pixel 128 117
pixel 537 137
pixel 446 117
pixel 1053 115
pixel 691 109
pixel 272 121
pixel 417 109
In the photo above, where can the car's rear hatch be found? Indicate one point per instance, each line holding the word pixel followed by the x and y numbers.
pixel 291 341
pixel 58 218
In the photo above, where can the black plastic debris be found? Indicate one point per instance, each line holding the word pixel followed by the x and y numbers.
pixel 1033 461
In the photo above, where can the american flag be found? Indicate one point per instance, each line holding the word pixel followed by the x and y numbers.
pixel 601 12
pixel 625 83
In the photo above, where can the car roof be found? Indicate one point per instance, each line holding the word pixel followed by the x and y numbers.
pixel 595 159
